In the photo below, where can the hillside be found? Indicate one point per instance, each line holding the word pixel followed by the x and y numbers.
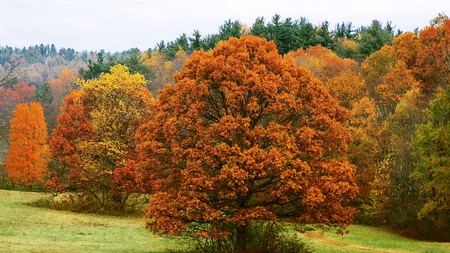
pixel 31 229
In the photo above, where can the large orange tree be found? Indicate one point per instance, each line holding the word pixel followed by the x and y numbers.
pixel 244 135
pixel 29 153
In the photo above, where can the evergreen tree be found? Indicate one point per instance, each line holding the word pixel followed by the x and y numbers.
pixel 374 37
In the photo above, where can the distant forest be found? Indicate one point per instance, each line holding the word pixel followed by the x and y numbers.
pixel 41 63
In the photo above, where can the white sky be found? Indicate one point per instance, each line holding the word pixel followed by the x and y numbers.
pixel 117 25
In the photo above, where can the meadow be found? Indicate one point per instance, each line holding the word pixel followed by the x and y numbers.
pixel 24 228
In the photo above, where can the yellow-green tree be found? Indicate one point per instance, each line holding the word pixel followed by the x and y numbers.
pixel 29 154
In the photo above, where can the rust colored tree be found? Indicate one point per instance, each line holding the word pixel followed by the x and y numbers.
pixel 245 136
pixel 29 154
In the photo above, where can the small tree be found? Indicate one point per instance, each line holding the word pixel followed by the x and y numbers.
pixel 93 139
pixel 245 135
pixel 29 154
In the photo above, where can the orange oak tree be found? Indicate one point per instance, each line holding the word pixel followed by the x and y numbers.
pixel 29 154
pixel 245 135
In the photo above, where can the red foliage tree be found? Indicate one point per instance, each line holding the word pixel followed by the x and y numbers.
pixel 245 135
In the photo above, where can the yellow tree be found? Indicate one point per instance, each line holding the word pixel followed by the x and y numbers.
pixel 242 136
pixel 109 109
pixel 29 154
pixel 162 70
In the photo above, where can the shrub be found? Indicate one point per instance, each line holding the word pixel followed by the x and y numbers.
pixel 262 237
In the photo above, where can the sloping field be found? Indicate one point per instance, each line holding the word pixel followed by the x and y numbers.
pixel 30 229
pixel 369 239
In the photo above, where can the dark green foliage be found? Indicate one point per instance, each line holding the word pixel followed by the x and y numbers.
pixel 374 37
pixel 259 28
pixel 230 29
pixel 131 58
pixel 196 43
pixel 432 148
pixel 135 64
pixel 172 48
pixel 307 34
pixel 344 31
pixel 210 41
pixel 325 37
pixel 42 94
pixel 68 54
pixel 5 54
pixel 282 33
pixel 96 68
pixel 290 35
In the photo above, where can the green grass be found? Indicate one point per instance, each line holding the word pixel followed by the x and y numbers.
pixel 30 229
pixel 368 239
pixel 24 228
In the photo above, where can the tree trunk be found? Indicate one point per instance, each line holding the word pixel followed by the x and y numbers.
pixel 241 239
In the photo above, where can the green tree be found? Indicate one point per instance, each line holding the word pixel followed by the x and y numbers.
pixel 432 147
pixel 259 28
pixel 231 30
pixel 95 69
pixel 195 40
pixel 325 37
pixel 374 37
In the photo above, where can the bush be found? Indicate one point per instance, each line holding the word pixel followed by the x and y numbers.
pixel 73 202
pixel 262 237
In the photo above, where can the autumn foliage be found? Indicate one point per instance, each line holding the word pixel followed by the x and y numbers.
pixel 242 136
pixel 94 137
pixel 9 99
pixel 29 154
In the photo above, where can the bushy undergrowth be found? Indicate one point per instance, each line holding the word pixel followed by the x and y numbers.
pixel 262 237
pixel 72 202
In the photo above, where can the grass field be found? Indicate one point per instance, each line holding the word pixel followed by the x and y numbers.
pixel 30 229
pixel 369 239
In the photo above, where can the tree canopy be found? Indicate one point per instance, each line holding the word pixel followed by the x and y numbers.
pixel 244 135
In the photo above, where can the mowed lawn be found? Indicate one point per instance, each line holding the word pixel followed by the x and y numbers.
pixel 30 229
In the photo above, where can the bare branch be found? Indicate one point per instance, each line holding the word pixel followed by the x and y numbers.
pixel 10 74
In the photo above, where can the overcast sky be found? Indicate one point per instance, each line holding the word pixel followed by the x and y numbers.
pixel 117 25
